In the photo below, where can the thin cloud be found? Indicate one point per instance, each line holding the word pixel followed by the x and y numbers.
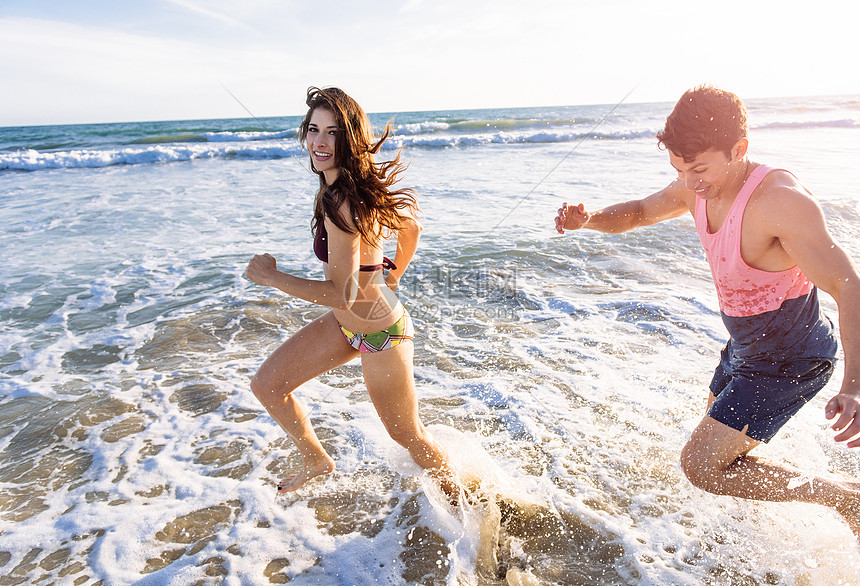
pixel 217 16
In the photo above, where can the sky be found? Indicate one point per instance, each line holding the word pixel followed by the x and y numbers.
pixel 92 61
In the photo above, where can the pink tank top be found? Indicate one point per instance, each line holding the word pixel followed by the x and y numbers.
pixel 742 289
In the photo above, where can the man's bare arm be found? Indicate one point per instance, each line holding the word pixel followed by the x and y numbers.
pixel 798 222
pixel 670 202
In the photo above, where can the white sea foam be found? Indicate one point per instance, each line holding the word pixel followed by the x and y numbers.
pixel 281 135
pixel 798 124
pixel 422 127
pixel 32 160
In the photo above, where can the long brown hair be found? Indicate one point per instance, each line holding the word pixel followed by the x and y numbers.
pixel 362 183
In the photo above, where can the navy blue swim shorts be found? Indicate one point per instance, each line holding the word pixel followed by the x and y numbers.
pixel 766 396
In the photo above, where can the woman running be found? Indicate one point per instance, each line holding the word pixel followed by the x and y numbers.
pixel 356 208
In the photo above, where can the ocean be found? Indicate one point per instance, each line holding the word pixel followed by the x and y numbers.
pixel 564 371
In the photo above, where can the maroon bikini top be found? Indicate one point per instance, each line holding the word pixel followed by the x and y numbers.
pixel 321 250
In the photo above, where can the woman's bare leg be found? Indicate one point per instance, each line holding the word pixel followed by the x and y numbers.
pixel 391 385
pixel 316 348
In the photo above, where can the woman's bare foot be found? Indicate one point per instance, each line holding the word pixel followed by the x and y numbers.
pixel 323 465
pixel 450 488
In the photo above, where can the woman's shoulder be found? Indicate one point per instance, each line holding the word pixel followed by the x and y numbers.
pixel 340 215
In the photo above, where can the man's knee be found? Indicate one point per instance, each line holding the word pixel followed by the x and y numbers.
pixel 699 469
pixel 712 450
pixel 706 467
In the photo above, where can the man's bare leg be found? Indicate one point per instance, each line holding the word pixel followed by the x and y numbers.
pixel 716 459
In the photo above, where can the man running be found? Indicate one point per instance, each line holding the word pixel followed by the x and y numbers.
pixel 769 250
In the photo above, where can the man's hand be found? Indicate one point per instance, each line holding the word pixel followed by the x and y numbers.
pixel 571 217
pixel 847 406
